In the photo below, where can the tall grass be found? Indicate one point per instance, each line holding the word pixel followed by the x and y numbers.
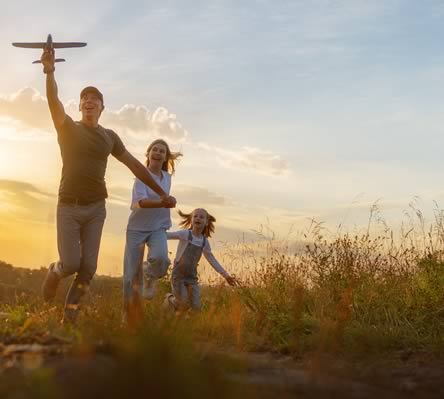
pixel 374 291
pixel 371 290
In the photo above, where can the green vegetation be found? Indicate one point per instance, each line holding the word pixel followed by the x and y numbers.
pixel 351 295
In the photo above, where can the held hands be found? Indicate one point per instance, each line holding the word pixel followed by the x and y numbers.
pixel 168 202
pixel 47 59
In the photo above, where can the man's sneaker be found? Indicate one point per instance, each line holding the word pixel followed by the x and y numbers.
pixel 70 314
pixel 50 283
pixel 149 288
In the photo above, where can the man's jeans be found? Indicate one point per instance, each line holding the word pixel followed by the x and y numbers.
pixel 158 261
pixel 79 230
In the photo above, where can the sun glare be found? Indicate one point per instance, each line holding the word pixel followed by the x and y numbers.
pixel 7 151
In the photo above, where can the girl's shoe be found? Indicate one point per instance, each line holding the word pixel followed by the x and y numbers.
pixel 168 302
pixel 149 288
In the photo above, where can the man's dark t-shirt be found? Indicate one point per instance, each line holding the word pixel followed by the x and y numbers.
pixel 85 152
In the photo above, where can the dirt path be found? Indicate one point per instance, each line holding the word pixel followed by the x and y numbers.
pixel 263 375
pixel 328 377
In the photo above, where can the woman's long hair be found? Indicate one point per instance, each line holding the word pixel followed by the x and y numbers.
pixel 170 163
pixel 187 221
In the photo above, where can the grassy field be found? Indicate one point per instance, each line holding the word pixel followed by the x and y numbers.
pixel 358 297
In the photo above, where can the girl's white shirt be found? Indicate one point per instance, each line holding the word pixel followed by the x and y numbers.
pixel 149 219
pixel 182 236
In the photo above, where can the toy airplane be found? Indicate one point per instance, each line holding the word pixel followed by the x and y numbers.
pixel 49 44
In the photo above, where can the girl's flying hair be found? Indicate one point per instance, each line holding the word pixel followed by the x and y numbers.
pixel 187 221
pixel 170 163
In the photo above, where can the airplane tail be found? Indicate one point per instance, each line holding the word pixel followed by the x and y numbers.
pixel 56 60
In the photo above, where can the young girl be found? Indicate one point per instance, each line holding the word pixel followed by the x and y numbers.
pixel 147 225
pixel 193 241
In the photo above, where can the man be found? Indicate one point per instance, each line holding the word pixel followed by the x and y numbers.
pixel 85 147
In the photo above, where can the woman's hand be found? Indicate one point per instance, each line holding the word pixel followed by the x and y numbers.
pixel 168 202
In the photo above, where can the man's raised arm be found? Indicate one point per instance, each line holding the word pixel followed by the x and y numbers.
pixel 55 105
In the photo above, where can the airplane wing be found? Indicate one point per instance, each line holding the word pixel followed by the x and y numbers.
pixel 68 44
pixel 30 45
pixel 54 45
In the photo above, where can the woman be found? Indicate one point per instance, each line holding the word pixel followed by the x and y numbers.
pixel 147 224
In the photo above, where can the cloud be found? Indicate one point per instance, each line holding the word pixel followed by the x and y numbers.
pixel 120 195
pixel 186 195
pixel 21 188
pixel 198 196
pixel 224 235
pixel 140 123
pixel 261 161
pixel 30 109
pixel 23 202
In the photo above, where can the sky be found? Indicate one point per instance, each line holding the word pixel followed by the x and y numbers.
pixel 284 110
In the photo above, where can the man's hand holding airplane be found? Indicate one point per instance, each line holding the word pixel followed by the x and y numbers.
pixel 48 60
